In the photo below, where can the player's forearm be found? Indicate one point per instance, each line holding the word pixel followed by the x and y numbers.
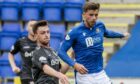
pixel 50 71
pixel 63 55
pixel 11 60
pixel 65 67
pixel 112 34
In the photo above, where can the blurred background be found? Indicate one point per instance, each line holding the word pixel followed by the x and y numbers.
pixel 121 56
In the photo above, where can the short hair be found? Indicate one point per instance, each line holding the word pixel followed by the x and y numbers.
pixel 91 6
pixel 39 24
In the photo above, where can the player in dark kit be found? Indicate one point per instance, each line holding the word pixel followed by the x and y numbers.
pixel 46 65
pixel 25 46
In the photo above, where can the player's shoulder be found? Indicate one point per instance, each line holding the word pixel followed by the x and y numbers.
pixel 76 28
pixel 37 50
pixel 99 22
pixel 22 38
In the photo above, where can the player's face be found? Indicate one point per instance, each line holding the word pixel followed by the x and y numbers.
pixel 43 35
pixel 30 27
pixel 90 17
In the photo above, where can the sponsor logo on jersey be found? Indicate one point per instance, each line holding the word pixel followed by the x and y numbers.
pixel 54 61
pixel 67 37
pixel 91 41
pixel 42 59
pixel 27 54
pixel 84 34
pixel 97 30
pixel 26 47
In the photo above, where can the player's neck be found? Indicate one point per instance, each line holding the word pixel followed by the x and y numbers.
pixel 88 25
pixel 43 45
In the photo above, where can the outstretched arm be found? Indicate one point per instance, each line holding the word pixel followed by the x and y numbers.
pixel 112 34
pixel 65 67
pixel 50 71
pixel 68 42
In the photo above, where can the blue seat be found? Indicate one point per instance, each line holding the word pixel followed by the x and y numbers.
pixel 31 11
pixel 73 12
pixel 5 70
pixel 58 28
pixel 52 11
pixel 55 1
pixel 7 40
pixel 76 1
pixel 24 33
pixel 11 27
pixel 55 41
pixel 34 1
pixel 9 11
pixel 17 1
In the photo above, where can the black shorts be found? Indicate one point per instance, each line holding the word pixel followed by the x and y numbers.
pixel 27 81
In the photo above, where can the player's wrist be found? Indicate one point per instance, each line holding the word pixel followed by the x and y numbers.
pixel 58 74
pixel 75 65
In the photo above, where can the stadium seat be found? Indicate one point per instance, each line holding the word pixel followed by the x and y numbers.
pixel 5 70
pixel 73 12
pixel 11 27
pixel 55 1
pixel 55 41
pixel 12 8
pixel 24 33
pixel 7 40
pixel 30 11
pixel 52 11
pixel 18 1
pixel 34 1
pixel 76 1
pixel 57 28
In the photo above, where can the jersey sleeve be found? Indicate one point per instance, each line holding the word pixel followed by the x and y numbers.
pixel 111 34
pixel 39 60
pixel 66 44
pixel 15 48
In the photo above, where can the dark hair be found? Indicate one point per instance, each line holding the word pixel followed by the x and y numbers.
pixel 39 24
pixel 91 6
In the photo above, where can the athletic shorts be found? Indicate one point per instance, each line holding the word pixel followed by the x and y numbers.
pixel 95 78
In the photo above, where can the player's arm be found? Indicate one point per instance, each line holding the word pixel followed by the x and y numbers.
pixel 50 71
pixel 67 43
pixel 15 48
pixel 65 46
pixel 112 34
pixel 42 63
pixel 65 67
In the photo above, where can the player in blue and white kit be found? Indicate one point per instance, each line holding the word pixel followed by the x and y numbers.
pixel 87 43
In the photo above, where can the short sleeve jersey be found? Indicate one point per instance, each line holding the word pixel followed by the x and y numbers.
pixel 42 56
pixel 25 46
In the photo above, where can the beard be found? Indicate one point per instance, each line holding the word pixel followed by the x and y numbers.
pixel 44 43
pixel 90 23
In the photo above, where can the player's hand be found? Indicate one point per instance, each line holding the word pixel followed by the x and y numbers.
pixel 16 69
pixel 63 78
pixel 126 35
pixel 80 68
